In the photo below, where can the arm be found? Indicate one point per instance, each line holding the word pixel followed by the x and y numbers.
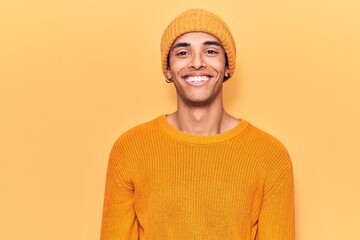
pixel 277 218
pixel 119 219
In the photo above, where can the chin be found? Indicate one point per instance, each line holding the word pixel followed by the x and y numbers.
pixel 198 101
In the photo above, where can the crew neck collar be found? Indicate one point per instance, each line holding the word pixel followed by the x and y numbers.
pixel 201 139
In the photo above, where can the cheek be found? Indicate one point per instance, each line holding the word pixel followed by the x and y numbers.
pixel 177 64
pixel 218 64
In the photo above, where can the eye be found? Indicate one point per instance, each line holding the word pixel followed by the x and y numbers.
pixel 182 53
pixel 211 52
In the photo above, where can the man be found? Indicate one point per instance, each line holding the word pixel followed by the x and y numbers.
pixel 198 173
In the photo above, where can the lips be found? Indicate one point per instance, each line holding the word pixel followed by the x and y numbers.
pixel 195 79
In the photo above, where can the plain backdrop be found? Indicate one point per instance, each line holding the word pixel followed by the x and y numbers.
pixel 74 75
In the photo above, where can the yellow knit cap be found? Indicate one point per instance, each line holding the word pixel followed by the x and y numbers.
pixel 198 20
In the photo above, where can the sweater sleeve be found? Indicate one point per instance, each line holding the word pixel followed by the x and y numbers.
pixel 119 219
pixel 276 220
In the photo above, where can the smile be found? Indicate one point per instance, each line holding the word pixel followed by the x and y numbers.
pixel 197 79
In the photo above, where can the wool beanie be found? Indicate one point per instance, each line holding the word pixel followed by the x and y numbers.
pixel 198 20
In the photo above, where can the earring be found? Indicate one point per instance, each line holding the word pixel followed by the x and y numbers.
pixel 168 80
pixel 227 75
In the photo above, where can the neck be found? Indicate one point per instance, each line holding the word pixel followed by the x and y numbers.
pixel 202 120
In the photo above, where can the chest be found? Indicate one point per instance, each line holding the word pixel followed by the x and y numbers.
pixel 203 187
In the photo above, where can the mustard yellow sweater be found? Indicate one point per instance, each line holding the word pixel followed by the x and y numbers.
pixel 166 184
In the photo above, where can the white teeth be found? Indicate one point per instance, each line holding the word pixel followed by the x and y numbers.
pixel 197 78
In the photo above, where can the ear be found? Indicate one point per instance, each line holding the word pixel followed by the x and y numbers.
pixel 227 72
pixel 168 74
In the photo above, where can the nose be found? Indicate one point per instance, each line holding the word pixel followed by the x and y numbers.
pixel 197 62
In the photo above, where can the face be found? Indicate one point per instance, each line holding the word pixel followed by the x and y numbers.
pixel 197 68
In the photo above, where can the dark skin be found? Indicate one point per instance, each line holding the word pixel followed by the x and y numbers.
pixel 197 67
pixel 206 43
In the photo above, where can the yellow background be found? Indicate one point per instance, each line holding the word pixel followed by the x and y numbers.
pixel 76 74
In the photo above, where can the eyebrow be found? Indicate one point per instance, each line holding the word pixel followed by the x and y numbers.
pixel 212 43
pixel 181 44
pixel 207 43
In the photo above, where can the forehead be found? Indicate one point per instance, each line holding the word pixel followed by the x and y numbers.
pixel 196 37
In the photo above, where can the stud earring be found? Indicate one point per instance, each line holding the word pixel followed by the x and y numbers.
pixel 227 75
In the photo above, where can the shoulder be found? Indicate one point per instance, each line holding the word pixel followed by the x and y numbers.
pixel 130 145
pixel 137 133
pixel 264 138
pixel 271 150
pixel 273 158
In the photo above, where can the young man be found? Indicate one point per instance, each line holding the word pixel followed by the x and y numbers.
pixel 198 173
